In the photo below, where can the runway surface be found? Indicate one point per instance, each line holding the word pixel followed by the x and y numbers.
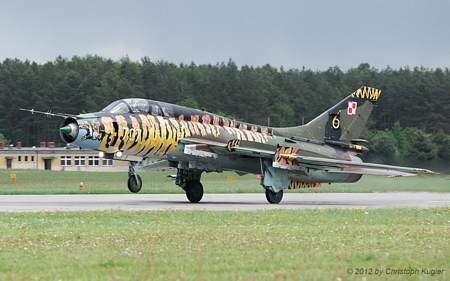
pixel 242 202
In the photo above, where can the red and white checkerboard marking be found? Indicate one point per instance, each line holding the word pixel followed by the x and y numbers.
pixel 351 109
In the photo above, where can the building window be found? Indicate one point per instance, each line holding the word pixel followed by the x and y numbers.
pixel 80 160
pixel 26 158
pixel 108 162
pixel 66 161
pixel 19 158
pixel 94 161
pixel 32 158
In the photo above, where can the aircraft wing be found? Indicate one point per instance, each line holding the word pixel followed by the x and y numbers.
pixel 254 149
pixel 352 167
pixel 240 147
pixel 161 162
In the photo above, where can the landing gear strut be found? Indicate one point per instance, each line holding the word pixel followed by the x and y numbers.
pixel 134 180
pixel 189 180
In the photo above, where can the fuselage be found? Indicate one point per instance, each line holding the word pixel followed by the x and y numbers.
pixel 145 128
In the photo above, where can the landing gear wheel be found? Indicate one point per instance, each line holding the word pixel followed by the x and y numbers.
pixel 134 185
pixel 274 197
pixel 194 191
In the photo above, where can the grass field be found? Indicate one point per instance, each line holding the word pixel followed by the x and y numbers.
pixel 59 182
pixel 321 244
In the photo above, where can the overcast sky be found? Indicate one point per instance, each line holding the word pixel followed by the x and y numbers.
pixel 293 34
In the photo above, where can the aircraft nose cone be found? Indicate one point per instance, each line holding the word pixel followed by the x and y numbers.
pixel 70 129
pixel 66 130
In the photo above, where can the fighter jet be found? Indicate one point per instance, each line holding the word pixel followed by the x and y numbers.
pixel 193 141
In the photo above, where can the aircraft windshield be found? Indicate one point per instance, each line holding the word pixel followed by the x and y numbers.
pixel 124 106
pixel 117 107
pixel 137 105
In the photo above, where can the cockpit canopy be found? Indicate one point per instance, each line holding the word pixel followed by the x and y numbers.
pixel 126 106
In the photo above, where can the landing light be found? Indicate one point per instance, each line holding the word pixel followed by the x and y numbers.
pixel 119 153
pixel 101 154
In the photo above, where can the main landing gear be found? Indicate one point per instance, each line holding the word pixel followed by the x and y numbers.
pixel 189 180
pixel 268 174
pixel 134 180
pixel 274 197
pixel 194 191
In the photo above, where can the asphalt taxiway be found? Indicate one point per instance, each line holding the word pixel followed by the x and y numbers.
pixel 241 202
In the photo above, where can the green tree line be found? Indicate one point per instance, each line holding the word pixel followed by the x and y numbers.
pixel 417 98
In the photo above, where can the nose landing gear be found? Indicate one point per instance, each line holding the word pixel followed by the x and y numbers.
pixel 134 180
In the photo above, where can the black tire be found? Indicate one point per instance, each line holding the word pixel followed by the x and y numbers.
pixel 133 185
pixel 274 197
pixel 194 191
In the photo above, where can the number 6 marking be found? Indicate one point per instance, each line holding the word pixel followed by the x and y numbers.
pixel 336 122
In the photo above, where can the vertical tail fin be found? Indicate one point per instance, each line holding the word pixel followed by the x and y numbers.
pixel 342 122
